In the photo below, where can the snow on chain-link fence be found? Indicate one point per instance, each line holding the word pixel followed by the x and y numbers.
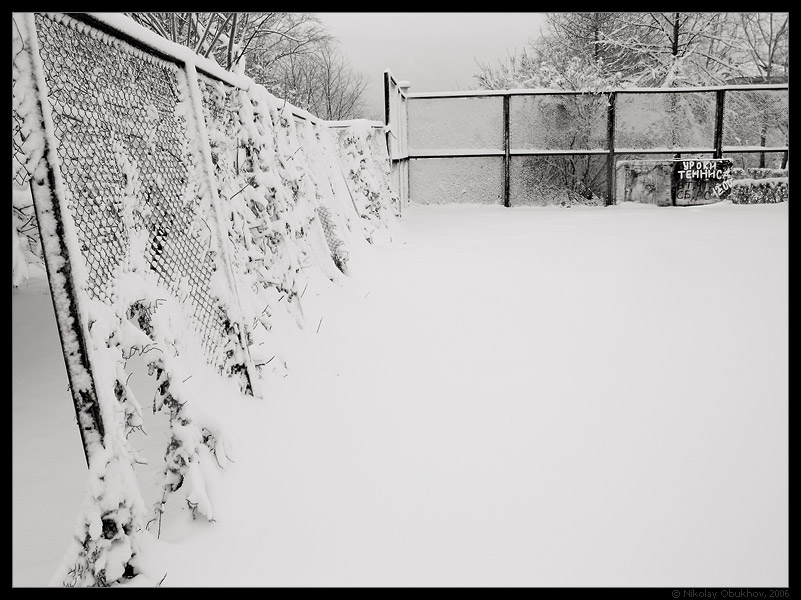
pixel 517 147
pixel 174 206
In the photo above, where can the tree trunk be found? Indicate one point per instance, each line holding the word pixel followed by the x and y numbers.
pixel 231 42
pixel 675 50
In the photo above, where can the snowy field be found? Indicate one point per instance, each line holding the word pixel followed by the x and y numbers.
pixel 498 397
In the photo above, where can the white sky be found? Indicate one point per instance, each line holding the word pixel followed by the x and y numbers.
pixel 434 51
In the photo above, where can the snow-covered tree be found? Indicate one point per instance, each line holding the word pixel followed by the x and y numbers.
pixel 672 49
pixel 596 51
pixel 580 34
pixel 652 48
pixel 766 39
pixel 546 63
pixel 564 121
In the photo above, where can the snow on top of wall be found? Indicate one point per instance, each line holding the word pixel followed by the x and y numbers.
pixel 766 180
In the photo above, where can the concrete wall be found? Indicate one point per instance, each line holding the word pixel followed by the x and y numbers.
pixel 644 181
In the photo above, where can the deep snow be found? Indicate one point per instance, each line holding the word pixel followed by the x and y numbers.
pixel 526 396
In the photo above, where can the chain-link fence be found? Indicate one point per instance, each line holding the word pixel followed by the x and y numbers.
pixel 562 147
pixel 128 169
pixel 154 180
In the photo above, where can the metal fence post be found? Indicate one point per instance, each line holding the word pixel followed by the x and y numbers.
pixel 405 146
pixel 720 99
pixel 506 157
pixel 610 140
pixel 52 214
pixel 386 112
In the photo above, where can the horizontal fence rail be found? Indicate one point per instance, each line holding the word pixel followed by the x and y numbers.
pixel 549 92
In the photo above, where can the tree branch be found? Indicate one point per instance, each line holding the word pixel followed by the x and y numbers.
pixel 217 35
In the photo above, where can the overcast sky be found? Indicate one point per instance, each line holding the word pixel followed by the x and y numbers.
pixel 434 51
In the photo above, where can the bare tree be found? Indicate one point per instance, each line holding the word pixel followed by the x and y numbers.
pixel 322 82
pixel 289 53
pixel 229 38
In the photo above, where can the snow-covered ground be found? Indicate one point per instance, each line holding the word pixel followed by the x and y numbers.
pixel 502 397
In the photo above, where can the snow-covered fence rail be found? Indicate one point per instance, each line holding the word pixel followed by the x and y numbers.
pixel 561 147
pixel 177 205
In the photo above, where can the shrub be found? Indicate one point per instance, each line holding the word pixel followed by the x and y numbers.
pixel 756 173
pixel 760 191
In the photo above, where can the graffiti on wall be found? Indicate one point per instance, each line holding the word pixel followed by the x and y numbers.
pixel 699 181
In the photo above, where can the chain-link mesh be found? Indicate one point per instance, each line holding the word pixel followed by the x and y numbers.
pixel 665 120
pixel 558 122
pixel 120 140
pixel 253 208
pixel 336 246
pixel 756 118
pixel 19 173
pixel 557 180
pixel 219 107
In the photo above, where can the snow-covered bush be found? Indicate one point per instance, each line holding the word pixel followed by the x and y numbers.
pixel 287 203
pixel 760 186
pixel 768 190
pixel 757 173
pixel 368 176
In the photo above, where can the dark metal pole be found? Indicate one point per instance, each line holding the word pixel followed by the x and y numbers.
pixel 720 100
pixel 506 157
pixel 404 120
pixel 48 204
pixel 386 110
pixel 610 140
